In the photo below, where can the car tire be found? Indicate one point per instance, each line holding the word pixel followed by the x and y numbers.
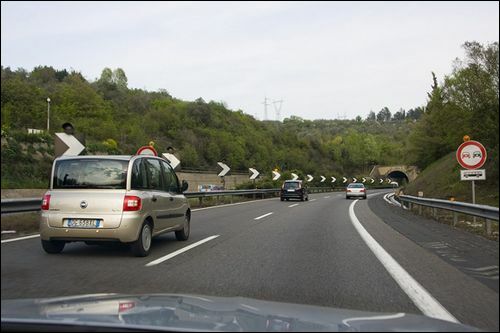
pixel 347 198
pixel 307 198
pixel 142 246
pixel 287 199
pixel 302 198
pixel 183 234
pixel 282 199
pixel 364 197
pixel 53 247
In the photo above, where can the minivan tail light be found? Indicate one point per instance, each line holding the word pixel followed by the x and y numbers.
pixel 348 190
pixel 46 202
pixel 363 190
pixel 131 203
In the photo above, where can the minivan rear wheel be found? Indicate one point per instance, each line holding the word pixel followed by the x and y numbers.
pixel 142 246
pixel 183 234
pixel 53 247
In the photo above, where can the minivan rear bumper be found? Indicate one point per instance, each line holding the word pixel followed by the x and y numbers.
pixel 128 231
pixel 293 195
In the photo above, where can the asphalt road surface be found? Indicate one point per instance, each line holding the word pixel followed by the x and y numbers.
pixel 364 255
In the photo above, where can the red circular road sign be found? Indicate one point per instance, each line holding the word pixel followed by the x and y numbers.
pixel 471 155
pixel 147 150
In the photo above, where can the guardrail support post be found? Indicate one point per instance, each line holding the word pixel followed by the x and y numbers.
pixel 231 198
pixel 434 213
pixel 410 206
pixel 455 218
pixel 262 195
pixel 420 210
pixel 200 200
pixel 488 227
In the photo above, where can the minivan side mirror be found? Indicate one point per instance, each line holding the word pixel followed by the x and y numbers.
pixel 184 186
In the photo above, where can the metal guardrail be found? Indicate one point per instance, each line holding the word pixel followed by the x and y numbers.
pixel 33 204
pixel 231 192
pixel 487 212
pixel 21 205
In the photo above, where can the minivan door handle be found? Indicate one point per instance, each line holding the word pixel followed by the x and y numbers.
pixel 154 198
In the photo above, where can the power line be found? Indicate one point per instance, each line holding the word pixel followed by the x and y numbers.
pixel 265 107
pixel 278 109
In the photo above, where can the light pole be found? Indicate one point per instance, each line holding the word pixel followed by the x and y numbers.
pixel 48 114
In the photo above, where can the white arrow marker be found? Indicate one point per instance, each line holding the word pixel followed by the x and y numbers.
pixel 334 179
pixel 254 172
pixel 172 160
pixel 373 181
pixel 354 180
pixel 344 180
pixel 295 177
pixel 74 146
pixel 276 175
pixel 322 179
pixel 388 181
pixel 364 179
pixel 309 178
pixel 225 169
pixel 381 181
pixel 395 183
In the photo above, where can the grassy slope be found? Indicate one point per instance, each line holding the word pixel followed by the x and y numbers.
pixel 442 180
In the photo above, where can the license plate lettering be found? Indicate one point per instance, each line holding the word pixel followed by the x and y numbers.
pixel 83 223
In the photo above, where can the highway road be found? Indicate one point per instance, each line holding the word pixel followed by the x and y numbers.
pixel 364 255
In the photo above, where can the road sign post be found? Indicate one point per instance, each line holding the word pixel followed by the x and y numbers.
pixel 471 155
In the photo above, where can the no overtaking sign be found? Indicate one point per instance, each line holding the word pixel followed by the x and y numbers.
pixel 471 155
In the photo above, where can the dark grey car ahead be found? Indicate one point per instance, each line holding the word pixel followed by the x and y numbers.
pixel 293 189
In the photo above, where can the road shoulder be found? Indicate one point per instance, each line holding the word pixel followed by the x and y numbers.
pixel 470 301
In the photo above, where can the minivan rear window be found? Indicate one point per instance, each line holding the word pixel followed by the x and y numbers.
pixel 291 185
pixel 90 173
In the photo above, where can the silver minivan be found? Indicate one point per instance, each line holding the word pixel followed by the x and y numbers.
pixel 129 199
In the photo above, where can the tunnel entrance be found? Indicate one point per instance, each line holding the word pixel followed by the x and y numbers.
pixel 398 176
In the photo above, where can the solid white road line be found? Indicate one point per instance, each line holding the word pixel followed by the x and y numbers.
pixel 262 216
pixel 415 291
pixel 326 197
pixel 20 238
pixel 176 253
pixel 293 205
pixel 312 200
pixel 386 199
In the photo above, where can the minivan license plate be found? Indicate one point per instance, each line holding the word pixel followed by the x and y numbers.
pixel 82 223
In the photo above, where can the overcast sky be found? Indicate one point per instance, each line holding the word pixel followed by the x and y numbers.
pixel 324 60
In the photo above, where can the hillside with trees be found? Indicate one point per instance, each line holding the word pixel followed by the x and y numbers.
pixel 116 119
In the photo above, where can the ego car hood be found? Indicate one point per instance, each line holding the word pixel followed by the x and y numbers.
pixel 203 313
